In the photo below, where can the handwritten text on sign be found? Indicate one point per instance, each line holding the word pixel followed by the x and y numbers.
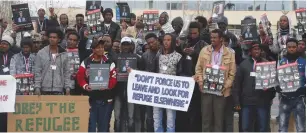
pixel 68 115
pixel 7 93
pixel 159 90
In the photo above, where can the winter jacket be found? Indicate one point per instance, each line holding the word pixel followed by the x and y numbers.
pixel 228 61
pixel 150 60
pixel 48 79
pixel 80 30
pixel 301 92
pixel 205 35
pixel 114 31
pixel 189 61
pixel 19 64
pixel 244 92
pixel 3 63
pixel 83 79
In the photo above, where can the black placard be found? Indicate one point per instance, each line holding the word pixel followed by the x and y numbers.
pixel 249 29
pixel 123 62
pixel 21 17
pixel 99 76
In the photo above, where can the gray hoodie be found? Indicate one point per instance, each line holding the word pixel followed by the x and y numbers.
pixel 48 79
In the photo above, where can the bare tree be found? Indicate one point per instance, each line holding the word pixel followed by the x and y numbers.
pixel 6 10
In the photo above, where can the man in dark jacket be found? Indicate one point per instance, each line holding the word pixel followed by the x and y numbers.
pixel 108 26
pixel 247 98
pixel 177 25
pixel 204 32
pixel 190 121
pixel 80 26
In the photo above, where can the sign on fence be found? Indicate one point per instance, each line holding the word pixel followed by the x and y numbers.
pixel 7 93
pixel 49 113
pixel 160 90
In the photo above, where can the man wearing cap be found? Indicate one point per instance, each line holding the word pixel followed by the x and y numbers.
pixel 5 58
pixel 134 124
pixel 247 99
pixel 52 70
pixel 108 26
pixel 44 23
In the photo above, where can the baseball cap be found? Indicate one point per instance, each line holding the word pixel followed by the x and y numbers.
pixel 126 39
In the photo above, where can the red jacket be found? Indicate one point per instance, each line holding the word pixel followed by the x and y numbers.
pixel 83 78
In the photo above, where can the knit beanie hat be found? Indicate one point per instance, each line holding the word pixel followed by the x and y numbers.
pixel 8 39
pixel 107 10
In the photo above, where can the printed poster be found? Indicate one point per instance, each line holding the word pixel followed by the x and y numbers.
pixel 214 79
pixel 265 75
pixel 24 84
pixel 74 60
pixel 21 17
pixel 289 77
pixel 217 10
pixel 249 29
pixel 99 76
pixel 123 63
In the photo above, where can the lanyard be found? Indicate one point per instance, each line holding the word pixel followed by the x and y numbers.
pixel 4 59
pixel 79 31
pixel 255 62
pixel 62 27
pixel 26 63
pixel 41 25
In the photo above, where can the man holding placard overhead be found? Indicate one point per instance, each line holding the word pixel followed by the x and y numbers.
pixel 212 104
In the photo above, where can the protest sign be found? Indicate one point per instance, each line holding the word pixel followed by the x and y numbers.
pixel 124 62
pixel 7 93
pixel 25 84
pixel 21 17
pixel 265 75
pixel 124 11
pixel 249 29
pixel 92 5
pixel 214 79
pixel 49 113
pixel 74 60
pixel 99 76
pixel 93 21
pixel 160 90
pixel 288 77
pixel 217 10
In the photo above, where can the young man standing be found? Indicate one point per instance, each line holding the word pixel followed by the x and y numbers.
pixel 108 26
pixel 252 102
pixel 52 75
pixel 101 101
pixel 80 26
pixel 212 106
pixel 293 101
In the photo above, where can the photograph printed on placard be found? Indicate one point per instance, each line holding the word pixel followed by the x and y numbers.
pixel 258 82
pixel 296 76
pixel 216 79
pixel 221 80
pixel 290 85
pixel 294 69
pixel 266 68
pixel 208 70
pixel 288 70
pixel 281 71
pixel 265 82
pixel 219 87
pixel 263 75
pixel 215 71
pixel 212 86
pixel 273 73
pixel 272 81
pixel 291 78
pixel 69 54
pixel 211 78
pixel 296 83
pixel 287 78
pixel 282 86
pixel 268 75
pixel 206 85
pixel 272 67
pixel 258 69
pixel 221 73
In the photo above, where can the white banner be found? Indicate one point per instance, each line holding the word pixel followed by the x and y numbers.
pixel 7 93
pixel 160 90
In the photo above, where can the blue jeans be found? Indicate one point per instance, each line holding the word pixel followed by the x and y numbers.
pixel 158 117
pixel 100 115
pixel 248 118
pixel 286 106
pixel 124 115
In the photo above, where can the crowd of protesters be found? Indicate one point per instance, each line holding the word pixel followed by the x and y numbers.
pixel 45 54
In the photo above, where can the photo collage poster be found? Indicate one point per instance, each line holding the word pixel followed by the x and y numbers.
pixel 92 5
pixel 265 75
pixel 123 63
pixel 217 10
pixel 214 79
pixel 74 60
pixel 21 17
pixel 288 77
pixel 249 29
pixel 93 21
pixel 99 76
pixel 24 84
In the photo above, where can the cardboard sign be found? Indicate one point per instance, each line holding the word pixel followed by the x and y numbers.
pixel 21 17
pixel 217 10
pixel 289 77
pixel 214 79
pixel 99 76
pixel 49 113
pixel 124 62
pixel 249 29
pixel 7 93
pixel 265 75
pixel 160 90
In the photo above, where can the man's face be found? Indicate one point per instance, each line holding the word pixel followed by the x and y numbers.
pixel 152 43
pixel 133 21
pixel 80 20
pixel 115 47
pixel 301 46
pixel 99 73
pixel 261 29
pixel 26 49
pixel 99 50
pixel 177 28
pixel 217 8
pixel 194 33
pixel 72 41
pixel 54 39
pixel 41 12
pixel 215 39
pixel 108 17
pixel 63 19
pixel 162 19
pixel 4 47
pixel 167 42
pixel 127 63
pixel 255 52
pixel 291 47
pixel 283 22
pixel 225 42
pixel 93 3
pixel 248 30
pixel 200 24
pixel 146 47
pixel 4 23
pixel 35 46
pixel 20 14
pixel 108 43
pixel 124 9
pixel 222 26
pixel 125 47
